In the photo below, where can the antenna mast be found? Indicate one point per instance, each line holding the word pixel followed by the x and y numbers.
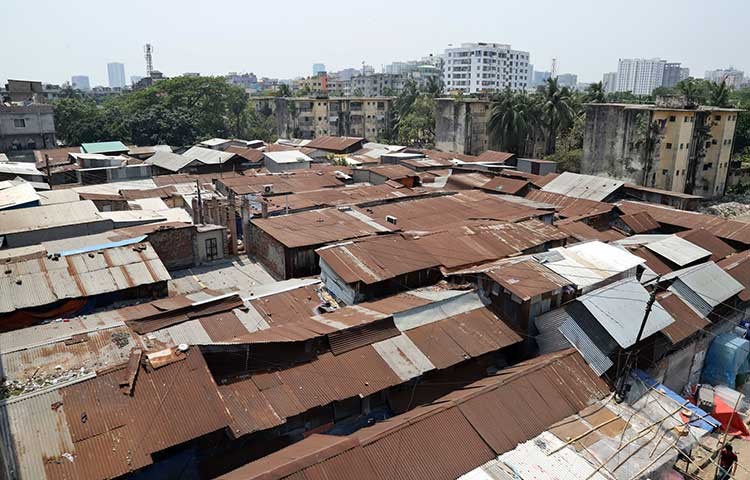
pixel 149 50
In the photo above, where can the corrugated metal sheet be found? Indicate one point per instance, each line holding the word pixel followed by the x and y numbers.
pixel 335 144
pixel 640 222
pixel 439 446
pixel 721 227
pixel 344 340
pixel 403 357
pixel 207 155
pixel 583 186
pixel 570 207
pixel 738 266
pixel 41 281
pixel 597 360
pixel 678 250
pixel 550 339
pixel 705 239
pixel 687 320
pixel 532 461
pixel 619 308
pixel 586 264
pixel 49 216
pixel 527 279
pixel 708 282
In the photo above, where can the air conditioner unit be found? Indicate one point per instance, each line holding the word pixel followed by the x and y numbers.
pixel 268 188
pixel 391 219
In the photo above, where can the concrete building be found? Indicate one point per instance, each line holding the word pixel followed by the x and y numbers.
pixel 116 74
pixel 23 91
pixel 733 77
pixel 609 82
pixel 315 85
pixel 538 78
pixel 567 80
pixel 640 75
pixel 661 145
pixel 135 79
pixel 674 74
pixel 309 117
pixel 461 125
pixel 80 82
pixel 318 68
pixel 26 127
pixel 377 84
pixel 485 67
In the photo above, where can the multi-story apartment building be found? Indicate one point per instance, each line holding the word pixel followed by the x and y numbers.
pixel 569 80
pixel 485 67
pixel 116 74
pixel 27 127
pixel 664 145
pixel 640 75
pixel 80 82
pixel 310 117
pixel 733 78
pixel 674 73
pixel 377 84
pixel 315 85
pixel 609 82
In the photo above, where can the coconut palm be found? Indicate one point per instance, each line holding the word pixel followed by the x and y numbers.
pixel 514 121
pixel 557 112
pixel 719 94
pixel 595 93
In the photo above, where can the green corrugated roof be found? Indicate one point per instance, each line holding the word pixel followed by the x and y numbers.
pixel 104 147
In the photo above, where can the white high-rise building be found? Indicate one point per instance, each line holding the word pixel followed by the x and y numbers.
pixel 640 75
pixel 80 82
pixel 478 67
pixel 609 82
pixel 731 76
pixel 116 74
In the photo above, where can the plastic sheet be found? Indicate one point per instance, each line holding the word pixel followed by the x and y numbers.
pixel 726 358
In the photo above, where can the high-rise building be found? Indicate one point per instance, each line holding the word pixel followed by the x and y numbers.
pixel 673 74
pixel 731 76
pixel 567 80
pixel 485 67
pixel 538 78
pixel 80 82
pixel 116 74
pixel 609 82
pixel 318 68
pixel 640 76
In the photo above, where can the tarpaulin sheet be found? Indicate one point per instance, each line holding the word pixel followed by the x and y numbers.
pixel 703 419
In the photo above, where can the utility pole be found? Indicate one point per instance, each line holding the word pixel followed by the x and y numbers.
pixel 623 377
pixel 49 175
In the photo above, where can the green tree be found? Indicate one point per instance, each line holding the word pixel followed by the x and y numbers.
pixel 719 94
pixel 78 121
pixel 417 127
pixel 512 121
pixel 595 93
pixel 557 111
pixel 283 91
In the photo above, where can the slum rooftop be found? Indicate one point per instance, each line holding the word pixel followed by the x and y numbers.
pixel 377 322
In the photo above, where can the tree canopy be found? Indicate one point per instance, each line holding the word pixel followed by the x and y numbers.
pixel 178 111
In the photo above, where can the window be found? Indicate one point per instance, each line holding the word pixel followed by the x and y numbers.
pixel 212 249
pixel 19 123
pixel 682 146
pixel 669 146
pixel 677 173
pixel 672 118
pixel 687 119
pixel 717 117
pixel 665 172
pixel 713 141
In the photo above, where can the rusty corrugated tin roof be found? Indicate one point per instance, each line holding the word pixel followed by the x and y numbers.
pixel 527 279
pixel 738 266
pixel 452 436
pixel 571 207
pixel 686 320
pixel 495 156
pixel 582 232
pixel 41 281
pixel 640 222
pixel 160 314
pixel 335 144
pixel 706 240
pixel 511 186
pixel 318 227
pixel 723 228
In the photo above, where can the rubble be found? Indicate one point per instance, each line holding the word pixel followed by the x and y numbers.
pixel 731 206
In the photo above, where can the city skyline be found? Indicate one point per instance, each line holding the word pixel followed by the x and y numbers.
pixel 584 51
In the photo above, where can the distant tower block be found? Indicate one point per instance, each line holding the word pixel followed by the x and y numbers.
pixel 553 74
pixel 149 50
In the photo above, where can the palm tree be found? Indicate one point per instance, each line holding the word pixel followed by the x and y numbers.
pixel 557 111
pixel 595 93
pixel 688 88
pixel 720 94
pixel 512 121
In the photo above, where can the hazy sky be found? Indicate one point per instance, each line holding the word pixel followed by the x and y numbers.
pixel 50 40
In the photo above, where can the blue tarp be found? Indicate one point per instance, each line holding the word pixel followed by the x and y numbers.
pixel 727 357
pixel 707 422
pixel 101 246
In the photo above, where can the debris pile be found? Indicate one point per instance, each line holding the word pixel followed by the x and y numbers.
pixel 12 388
pixel 731 206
